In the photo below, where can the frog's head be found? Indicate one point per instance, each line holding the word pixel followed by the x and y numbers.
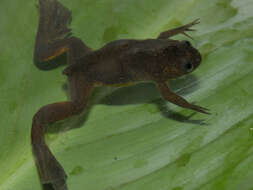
pixel 180 58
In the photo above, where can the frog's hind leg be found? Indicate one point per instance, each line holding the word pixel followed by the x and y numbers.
pixel 51 172
pixel 179 30
pixel 54 36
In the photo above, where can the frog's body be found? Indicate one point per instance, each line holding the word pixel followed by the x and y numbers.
pixel 127 61
pixel 120 63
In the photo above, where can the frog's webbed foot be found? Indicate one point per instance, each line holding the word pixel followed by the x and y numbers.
pixel 54 36
pixel 180 30
pixel 51 172
pixel 59 185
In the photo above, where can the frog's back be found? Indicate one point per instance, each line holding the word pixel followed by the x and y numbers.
pixel 124 45
pixel 120 61
pixel 105 57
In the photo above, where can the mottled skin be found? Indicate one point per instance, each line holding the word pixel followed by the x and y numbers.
pixel 117 63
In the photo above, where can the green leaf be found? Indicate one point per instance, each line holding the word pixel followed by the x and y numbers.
pixel 131 139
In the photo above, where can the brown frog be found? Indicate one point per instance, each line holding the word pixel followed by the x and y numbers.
pixel 117 63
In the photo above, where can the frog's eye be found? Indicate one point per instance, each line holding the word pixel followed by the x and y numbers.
pixel 187 43
pixel 188 67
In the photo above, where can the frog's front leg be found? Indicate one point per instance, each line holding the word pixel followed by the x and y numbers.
pixel 179 30
pixel 50 171
pixel 178 100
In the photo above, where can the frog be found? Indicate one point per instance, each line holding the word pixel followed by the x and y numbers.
pixel 118 63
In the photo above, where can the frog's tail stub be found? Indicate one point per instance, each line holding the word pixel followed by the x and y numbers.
pixel 53 33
